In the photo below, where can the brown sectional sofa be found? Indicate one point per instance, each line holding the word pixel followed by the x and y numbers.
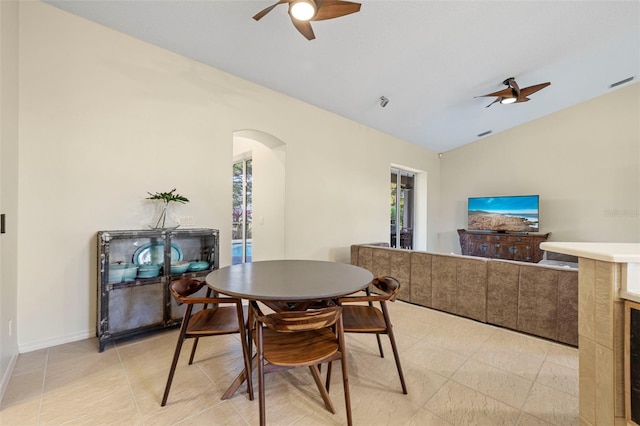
pixel 536 299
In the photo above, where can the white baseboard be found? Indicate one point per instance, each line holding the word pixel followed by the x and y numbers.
pixel 7 376
pixel 47 343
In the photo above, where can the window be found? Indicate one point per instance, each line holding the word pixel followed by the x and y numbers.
pixel 402 208
pixel 241 219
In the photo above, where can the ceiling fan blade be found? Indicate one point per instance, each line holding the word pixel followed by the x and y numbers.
pixel 496 100
pixel 522 99
pixel 504 93
pixel 304 28
pixel 330 9
pixel 533 89
pixel 264 11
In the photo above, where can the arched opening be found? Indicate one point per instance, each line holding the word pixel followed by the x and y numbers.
pixel 259 197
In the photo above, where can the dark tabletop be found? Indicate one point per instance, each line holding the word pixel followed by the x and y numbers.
pixel 289 280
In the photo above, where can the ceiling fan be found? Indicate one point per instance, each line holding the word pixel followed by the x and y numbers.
pixel 513 93
pixel 304 11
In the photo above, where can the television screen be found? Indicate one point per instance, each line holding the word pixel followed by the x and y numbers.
pixel 506 214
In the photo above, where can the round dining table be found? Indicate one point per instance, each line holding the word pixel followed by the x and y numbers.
pixel 289 280
pixel 287 285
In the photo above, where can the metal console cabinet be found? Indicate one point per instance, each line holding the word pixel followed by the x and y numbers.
pixel 130 305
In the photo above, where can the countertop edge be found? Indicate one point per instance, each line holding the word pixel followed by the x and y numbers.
pixel 608 252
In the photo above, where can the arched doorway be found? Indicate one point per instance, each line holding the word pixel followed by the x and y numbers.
pixel 259 196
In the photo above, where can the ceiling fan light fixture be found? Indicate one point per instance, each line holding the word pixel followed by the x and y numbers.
pixel 302 10
pixel 507 101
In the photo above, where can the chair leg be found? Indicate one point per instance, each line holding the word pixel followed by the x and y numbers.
pixel 176 355
pixel 323 392
pixel 345 383
pixel 193 350
pixel 245 351
pixel 397 357
pixel 328 375
pixel 261 399
pixel 380 346
pixel 394 347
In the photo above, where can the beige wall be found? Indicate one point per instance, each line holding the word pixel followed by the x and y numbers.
pixel 8 187
pixel 584 162
pixel 104 118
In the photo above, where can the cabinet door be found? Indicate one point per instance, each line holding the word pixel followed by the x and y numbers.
pixel 632 362
pixel 132 308
pixel 521 251
pixel 197 246
pixel 481 247
pixel 503 251
pixel 518 247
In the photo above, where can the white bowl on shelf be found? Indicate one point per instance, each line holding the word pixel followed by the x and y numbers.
pixel 120 272
pixel 200 265
pixel 149 270
pixel 179 267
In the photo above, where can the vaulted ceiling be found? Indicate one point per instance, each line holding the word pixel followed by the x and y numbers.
pixel 429 58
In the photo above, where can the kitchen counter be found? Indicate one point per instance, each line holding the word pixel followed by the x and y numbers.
pixel 607 274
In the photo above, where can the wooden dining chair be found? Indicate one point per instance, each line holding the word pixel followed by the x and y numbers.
pixel 211 320
pixel 368 318
pixel 291 339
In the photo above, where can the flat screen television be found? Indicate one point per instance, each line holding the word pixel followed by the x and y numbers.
pixel 516 213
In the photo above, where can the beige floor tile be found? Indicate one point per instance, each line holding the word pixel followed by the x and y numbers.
pixel 460 335
pixel 189 383
pixel 23 413
pixel 501 385
pixel 559 377
pixel 316 419
pixel 425 417
pixel 380 407
pixel 183 407
pixel 435 358
pixel 528 420
pixel 563 355
pixel 222 414
pixel 87 403
pixel 551 405
pixel 504 356
pixel 519 342
pixel 366 367
pixel 24 388
pixel 31 361
pixel 286 403
pixel 422 383
pixel 460 405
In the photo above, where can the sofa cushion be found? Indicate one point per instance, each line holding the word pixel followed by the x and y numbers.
pixel 383 261
pixel 459 285
pixel 568 307
pixel 421 279
pixel 502 293
pixel 538 301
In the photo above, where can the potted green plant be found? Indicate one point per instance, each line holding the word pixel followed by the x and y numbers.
pixel 165 199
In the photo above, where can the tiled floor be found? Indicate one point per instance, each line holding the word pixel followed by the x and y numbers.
pixel 458 371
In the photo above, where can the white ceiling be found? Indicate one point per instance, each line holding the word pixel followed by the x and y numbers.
pixel 429 58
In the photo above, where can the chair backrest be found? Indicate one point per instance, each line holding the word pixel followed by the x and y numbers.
pixel 388 285
pixel 295 321
pixel 185 287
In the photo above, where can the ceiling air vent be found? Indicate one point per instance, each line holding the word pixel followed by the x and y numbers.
pixel 488 132
pixel 618 83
